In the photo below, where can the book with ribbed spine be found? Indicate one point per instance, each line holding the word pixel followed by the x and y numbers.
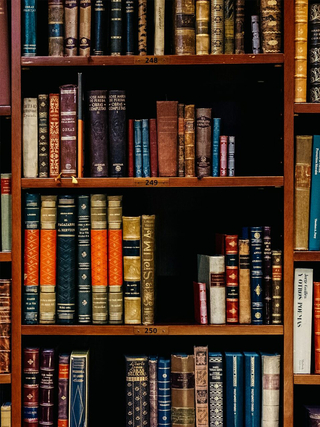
pixel 84 27
pixel 54 135
pixel 80 127
pixel 71 39
pixel 30 385
pixel 277 287
pixel 148 269
pixel 300 50
pixel 130 26
pixel 99 258
pixel 47 386
pixel 115 27
pixel 31 258
pixel 43 135
pixel 244 280
pixel 5 85
pixel 189 140
pixel 117 128
pixel 202 27
pixel 316 327
pixel 223 155
pixel 271 25
pixel 30 137
pixel 232 277
pixel 216 386
pixel 314 221
pixel 153 390
pixel 159 28
pixel 5 326
pixel 231 155
pixel 255 30
pixel 256 274
pixel 68 130
pixel 184 27
pixel 167 133
pixel 29 27
pixel 6 211
pixel 132 269
pixel 217 27
pixel 201 385
pixel 55 27
pixel 145 148
pixel 138 148
pixel 200 302
pixel 164 392
pixel 6 414
pixel 63 389
pixel 99 36
pixel 142 27
pixel 234 389
pixel 270 391
pixel 203 142
pixel 181 140
pixel 229 21
pixel 131 147
pixel 153 147
pixel 79 389
pixel 267 275
pixel 216 146
pixel 239 27
pixel 252 389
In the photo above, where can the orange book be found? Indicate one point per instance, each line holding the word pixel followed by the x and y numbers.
pixel 48 249
pixel 31 257
pixel 115 271
pixel 99 258
pixel 316 316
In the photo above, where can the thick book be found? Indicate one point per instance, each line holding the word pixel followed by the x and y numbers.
pixel 6 212
pixel 184 27
pixel 229 21
pixel 54 135
pixel 314 221
pixel 5 83
pixel 181 160
pixel 189 140
pixel 200 302
pixel 232 277
pixel 30 137
pixel 316 326
pixel 252 389
pixel 148 247
pixel 300 50
pixel 30 385
pixel 234 386
pixel 153 147
pixel 271 26
pixel 29 27
pixel 202 27
pixel 167 132
pixel 164 392
pixel 43 135
pixel 5 326
pixel 223 155
pixel 138 148
pixel 302 320
pixel 239 25
pixel 68 130
pixel 117 128
pixel 244 280
pixel 146 172
pixel 142 27
pixel 130 26
pixel 153 390
pixel 55 27
pixel 216 389
pixel 159 27
pixel 277 287
pixel 203 142
pixel 116 27
pixel 217 27
pixel 302 184
pixel 79 389
pixel 98 132
pixel 256 274
pixel 216 146
pixel 47 387
pixel 270 390
pixel 85 27
pixel 71 36
pixel 267 275
pixel 201 385
pixel 63 389
pixel 99 29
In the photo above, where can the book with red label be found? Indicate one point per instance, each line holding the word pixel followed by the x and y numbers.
pixel 200 302
pixel 232 277
pixel 54 135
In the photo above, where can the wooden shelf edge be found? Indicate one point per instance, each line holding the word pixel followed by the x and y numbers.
pixel 306 107
pixel 5 257
pixel 5 378
pixel 5 110
pixel 307 379
pixel 306 256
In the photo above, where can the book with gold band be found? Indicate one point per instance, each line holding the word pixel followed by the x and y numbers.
pixel 301 50
pixel 148 269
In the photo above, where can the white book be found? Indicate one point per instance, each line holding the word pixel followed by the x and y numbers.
pixel 159 11
pixel 270 399
pixel 302 320
pixel 30 137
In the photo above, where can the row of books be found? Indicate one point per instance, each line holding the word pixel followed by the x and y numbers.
pixel 204 388
pixel 116 27
pixel 91 263
pixel 40 370
pixel 242 283
pixel 183 140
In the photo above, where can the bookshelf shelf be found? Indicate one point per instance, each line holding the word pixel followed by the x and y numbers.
pixel 5 378
pixel 307 256
pixel 307 108
pixel 5 256
pixel 301 379
pixel 5 110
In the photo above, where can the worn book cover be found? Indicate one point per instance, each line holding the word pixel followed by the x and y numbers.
pixel 216 375
pixel 300 50
pixel 167 131
pixel 55 27
pixel 184 27
pixel 270 390
pixel 148 264
pixel 201 385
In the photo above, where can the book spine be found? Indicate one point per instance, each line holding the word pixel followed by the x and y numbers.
pixel 277 291
pixel 216 384
pixel 68 128
pixel 78 388
pixel 63 390
pixel 5 84
pixel 54 135
pixel 217 27
pixel 85 27
pixel 239 27
pixel 159 30
pixel 189 140
pixel 145 148
pixel 132 269
pixel 153 390
pixel 216 147
pixel 130 27
pixel 203 142
pixel 201 385
pixel 232 278
pixel 142 27
pixel 252 387
pixel 153 147
pixel 84 260
pixel 30 137
pixel 6 212
pixel 71 40
pixel 29 33
pixel 184 27
pixel 256 275
pixel 223 156
pixel 138 148
pixel 164 392
pixel 229 21
pixel 117 133
pixel 116 27
pixel 80 130
pixel 231 155
pixel 131 148
pixel 100 27
pixel 244 281
pixel 267 275
pixel 47 387
pixel 30 365
pixel 202 27
pixel 200 302
pixel 271 18
pixel 255 30
pixel 234 389
pixel 99 257
pixel 98 132
pixel 181 140
pixel 217 289
pixel 300 50
pixel 43 135
pixel 148 269
pixel 5 326
pixel 314 236
pixel 55 27
pixel 316 321
pixel 270 399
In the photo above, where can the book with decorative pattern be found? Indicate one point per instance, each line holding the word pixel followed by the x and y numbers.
pixel 84 27
pixel 277 287
pixel 232 277
pixel 145 148
pixel 217 27
pixel 117 126
pixel 256 274
pixel 54 135
pixel 138 148
pixel 164 392
pixel 301 50
pixel 68 130
pixel 142 27
pixel 159 28
pixel 229 21
pixel 184 27
pixel 79 389
pixel 115 27
pixel 71 39
pixel 216 146
pixel 5 326
pixel 202 27
pixel 43 135
pixel 271 25
pixel 148 269
pixel 153 390
pixel 216 389
pixel 130 26
pixel 55 27
pixel 47 386
pixel 244 280
pixel 30 386
pixel 267 275
pixel 239 25
pixel 189 140
pixel 200 302
pixel 203 142
pixel 63 389
pixel 201 385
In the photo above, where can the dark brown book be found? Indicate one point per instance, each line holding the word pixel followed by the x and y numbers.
pixel 54 135
pixel 43 135
pixel 153 147
pixel 184 27
pixel 181 138
pixel 130 147
pixel 229 21
pixel 203 142
pixel 4 55
pixel 142 27
pixel 239 27
pixel 271 17
pixel 276 310
pixel 167 121
pixel 189 140
pixel 55 27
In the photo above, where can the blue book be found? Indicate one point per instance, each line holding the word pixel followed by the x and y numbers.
pixel 215 372
pixel 138 148
pixel 216 146
pixel 78 388
pixel 115 27
pixel 234 389
pixel 256 274
pixel 314 222
pixel 100 27
pixel 164 392
pixel 252 389
pixel 29 24
pixel 130 19
pixel 145 149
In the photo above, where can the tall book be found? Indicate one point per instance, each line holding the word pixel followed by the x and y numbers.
pixel 43 135
pixel 202 27
pixel 132 269
pixel 66 259
pixel 223 155
pixel 314 224
pixel 29 27
pixel 71 37
pixel 181 140
pixel 63 389
pixel 6 211
pixel 30 385
pixel 200 302
pixel 6 414
pixel 159 28
pixel 216 146
pixel 55 27
pixel 99 36
pixel 80 126
pixel 167 129
pixel 130 26
pixel 270 392
pixel 184 27
pixel 271 26
pixel 316 325
pixel 131 147
pixel 148 269
pixel 302 320
pixel 239 24
pixel 5 326
pixel 68 130
pixel 98 132
pixel 5 94
pixel 203 142
pixel 30 137
pixel 99 258
pixel 117 127
pixel 145 148
pixel 164 392
pixel 217 27
pixel 277 287
pixel 153 390
pixel 267 268
pixel 142 27
pixel 232 278
pixel 189 140
pixel 54 135
pixel 47 387
pixel 244 280
pixel 115 27
pixel 252 388
pixel 302 184
pixel 31 258
pixel 79 389
pixel 229 20
pixel 216 387
pixel 137 148
pixel 201 385
pixel 153 147
pixel 234 386
pixel 256 274
pixel 300 50
pixel 182 390
pixel 313 48
pixel 85 27
pixel 137 381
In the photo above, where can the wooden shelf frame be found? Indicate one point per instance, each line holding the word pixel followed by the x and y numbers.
pixel 5 110
pixel 302 379
pixel 5 257
pixel 5 378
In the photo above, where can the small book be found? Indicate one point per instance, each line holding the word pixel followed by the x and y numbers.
pixel 277 287
pixel 232 277
pixel 5 326
pixel 131 137
pixel 223 155
pixel 79 388
pixel 130 10
pixel 216 146
pixel 231 155
pixel 255 30
pixel 181 147
pixel 268 269
pixel 200 302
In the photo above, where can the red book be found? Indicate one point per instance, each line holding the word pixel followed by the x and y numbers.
pixel 223 155
pixel 153 147
pixel 130 147
pixel 316 315
pixel 54 135
pixel 68 130
pixel 200 303
pixel 4 55
pixel 232 278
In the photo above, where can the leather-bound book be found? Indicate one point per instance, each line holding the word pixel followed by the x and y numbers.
pixel 84 27
pixel 71 9
pixel 277 288
pixel 47 387
pixel 234 387
pixel 182 390
pixel 153 390
pixel 78 388
pixel 43 135
pixel 271 25
pixel 148 246
pixel 184 27
pixel 252 388
pixel 244 280
pixel 131 147
pixel 200 302
pixel 303 157
pixel 223 157
pixel 31 369
pixel 232 277
pixel 115 27
pixel 300 50
pixel 216 385
pixel 229 20
pixel 239 27
pixel 68 130
pixel 164 392
pixel 5 326
pixel 80 107
pixel 316 322
pixel 54 135
pixel 153 147
pixel 31 258
pixel 203 142
pixel 117 109
pixel 132 269
pixel 256 274
pixel 55 27
pixel 270 392
pixel 231 155
pixel 167 132
pixel 99 36
pixel 29 27
pixel 130 27
pixel 137 381
pixel 66 260
pixel 99 257
pixel 6 211
pixel 98 132
pixel 201 385
pixel 313 49
pixel 181 140
pixel 115 308
pixel 63 389
pixel 255 30
pixel 217 27
pixel 267 274
pixel 142 27
pixel 5 94
pixel 30 137
pixel 137 149
pixel 314 235
pixel 84 259
pixel 202 27
pixel 189 140
pixel 145 148
pixel 216 146
pixel 159 28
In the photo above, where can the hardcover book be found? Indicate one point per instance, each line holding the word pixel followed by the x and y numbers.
pixel 130 26
pixel 131 147
pixel 159 28
pixel 47 387
pixel 229 20
pixel 217 27
pixel 31 369
pixel 68 130
pixel 117 133
pixel 203 142
pixel 300 50
pixel 142 27
pixel 5 84
pixel 232 278
pixel 313 48
pixel 30 137
pixel 164 392
pixel 256 274
pixel 201 385
pixel 6 414
pixel 99 36
pixel 271 25
pixel 223 155
pixel 55 27
pixel 200 302
pixel 231 155
pixel 115 27
pixel 239 25
pixel 269 271
pixel 270 394
pixel 148 269
pixel 79 389
pixel 202 27
pixel 29 27
pixel 5 326
pixel 316 325
pixel 277 291
pixel 255 30
pixel 189 140
pixel 138 149
pixel 54 135
pixel 84 27
pixel 63 389
pixel 153 390
pixel 71 39
pixel 145 148
pixel 43 135
pixel 252 389
pixel 153 147
pixel 184 27
pixel 6 212
pixel 181 160
pixel 80 131
pixel 216 386
pixel 216 147
pixel 314 222
pixel 244 280
pixel 234 366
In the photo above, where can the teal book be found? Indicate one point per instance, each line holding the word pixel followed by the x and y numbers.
pixel 252 389
pixel 145 148
pixel 314 221
pixel 29 27
pixel 78 389
pixel 138 148
pixel 234 387
pixel 216 146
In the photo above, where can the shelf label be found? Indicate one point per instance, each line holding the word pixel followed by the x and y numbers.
pixel 151 182
pixel 150 60
pixel 151 330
